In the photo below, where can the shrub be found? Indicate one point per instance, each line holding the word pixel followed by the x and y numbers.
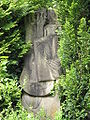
pixel 74 84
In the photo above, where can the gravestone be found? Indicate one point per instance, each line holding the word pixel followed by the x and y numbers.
pixel 42 66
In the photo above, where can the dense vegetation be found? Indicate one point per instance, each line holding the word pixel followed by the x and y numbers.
pixel 74 41
pixel 75 59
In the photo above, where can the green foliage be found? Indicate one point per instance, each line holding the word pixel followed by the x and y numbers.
pixel 21 114
pixel 10 92
pixel 58 115
pixel 74 84
pixel 67 51
pixel 12 50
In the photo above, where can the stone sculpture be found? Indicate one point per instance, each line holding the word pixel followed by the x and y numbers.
pixel 42 66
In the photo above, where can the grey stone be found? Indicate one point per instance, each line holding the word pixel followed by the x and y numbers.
pixel 41 63
pixel 50 104
pixel 35 88
pixel 42 66
pixel 47 62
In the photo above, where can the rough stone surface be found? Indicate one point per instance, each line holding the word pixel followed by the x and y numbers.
pixel 35 88
pixel 41 63
pixel 50 104
pixel 42 66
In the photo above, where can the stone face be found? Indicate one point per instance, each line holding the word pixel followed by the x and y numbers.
pixel 42 66
pixel 41 63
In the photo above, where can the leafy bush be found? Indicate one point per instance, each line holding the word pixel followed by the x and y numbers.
pixel 73 51
pixel 74 84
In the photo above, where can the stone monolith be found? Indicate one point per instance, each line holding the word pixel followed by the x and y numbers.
pixel 42 66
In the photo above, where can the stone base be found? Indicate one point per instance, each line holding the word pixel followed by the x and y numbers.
pixel 50 104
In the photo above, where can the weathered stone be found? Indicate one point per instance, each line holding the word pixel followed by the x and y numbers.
pixel 42 66
pixel 50 104
pixel 41 63
pixel 35 88
pixel 47 62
